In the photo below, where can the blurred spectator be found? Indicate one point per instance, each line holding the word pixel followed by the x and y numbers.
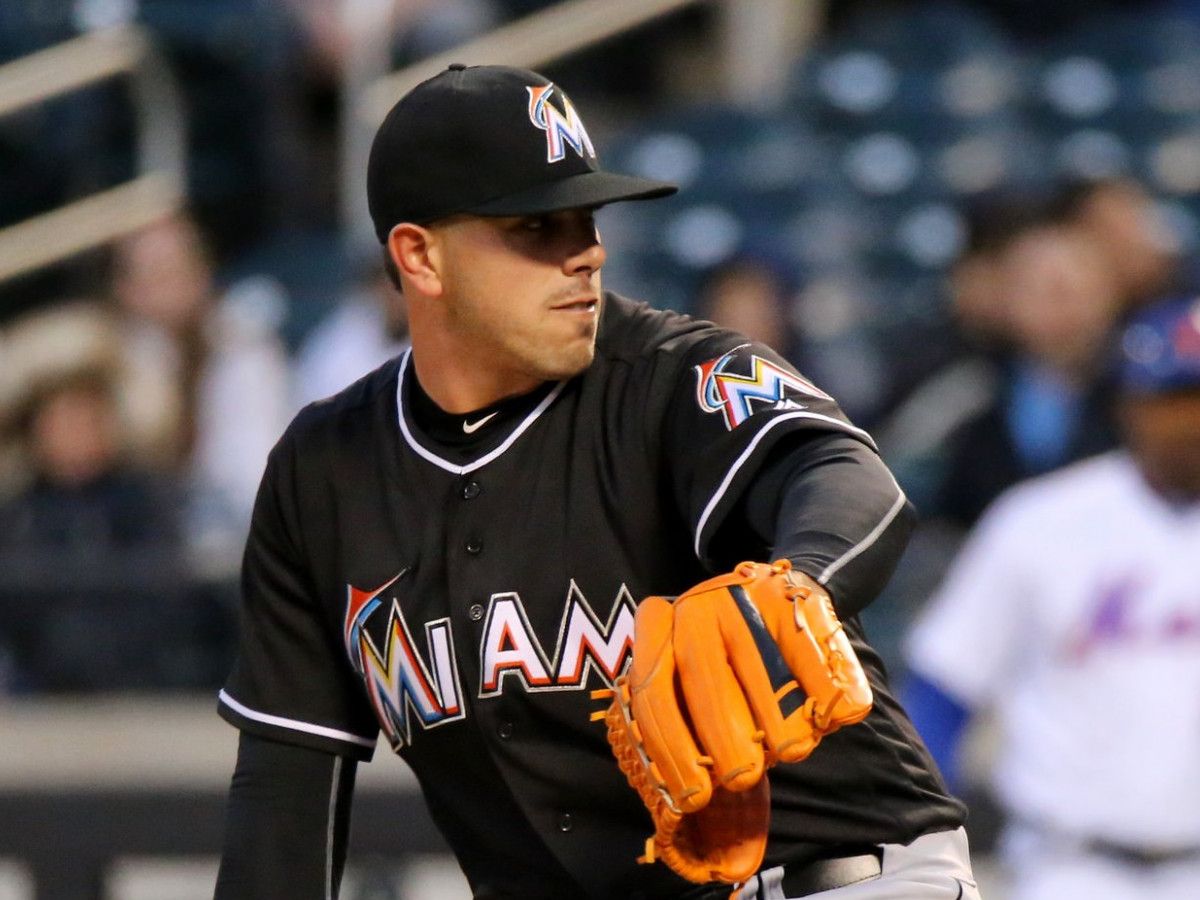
pixel 1052 404
pixel 750 297
pixel 921 433
pixel 92 587
pixel 1073 613
pixel 40 346
pixel 207 382
pixel 979 301
pixel 241 67
pixel 368 327
pixel 1119 216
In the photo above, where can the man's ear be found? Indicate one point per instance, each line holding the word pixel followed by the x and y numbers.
pixel 417 255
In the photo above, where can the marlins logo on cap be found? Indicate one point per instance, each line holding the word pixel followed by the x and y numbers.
pixel 562 128
pixel 461 142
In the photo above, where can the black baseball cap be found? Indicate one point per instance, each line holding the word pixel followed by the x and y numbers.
pixel 488 140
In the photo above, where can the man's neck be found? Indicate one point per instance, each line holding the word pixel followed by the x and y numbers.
pixel 458 385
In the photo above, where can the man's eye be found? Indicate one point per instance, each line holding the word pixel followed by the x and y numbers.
pixel 536 223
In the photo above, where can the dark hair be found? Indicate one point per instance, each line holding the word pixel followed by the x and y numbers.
pixel 95 379
pixel 392 270
pixel 1073 196
pixel 995 220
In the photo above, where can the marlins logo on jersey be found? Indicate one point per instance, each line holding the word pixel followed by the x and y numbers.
pixel 402 681
pixel 740 383
pixel 562 128
pixel 395 674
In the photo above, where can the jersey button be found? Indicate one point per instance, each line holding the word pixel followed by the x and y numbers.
pixel 471 490
pixel 475 612
pixel 505 730
pixel 564 822
pixel 474 545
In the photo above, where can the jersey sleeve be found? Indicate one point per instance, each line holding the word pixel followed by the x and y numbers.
pixel 734 402
pixel 289 682
pixel 971 632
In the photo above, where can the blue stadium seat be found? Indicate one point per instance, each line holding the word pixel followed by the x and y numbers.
pixel 719 151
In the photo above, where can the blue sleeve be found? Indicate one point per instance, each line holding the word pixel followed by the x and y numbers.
pixel 941 721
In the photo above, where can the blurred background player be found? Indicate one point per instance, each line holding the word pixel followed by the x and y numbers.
pixel 1073 613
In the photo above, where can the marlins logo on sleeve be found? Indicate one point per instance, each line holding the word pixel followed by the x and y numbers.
pixel 738 384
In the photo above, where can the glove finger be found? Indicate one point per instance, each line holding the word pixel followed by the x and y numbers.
pixel 665 734
pixel 774 695
pixel 715 700
pixel 817 652
pixel 844 695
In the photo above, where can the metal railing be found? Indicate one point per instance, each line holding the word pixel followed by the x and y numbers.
pixel 757 37
pixel 158 188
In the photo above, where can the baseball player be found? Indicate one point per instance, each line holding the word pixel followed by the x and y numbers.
pixel 453 551
pixel 1073 611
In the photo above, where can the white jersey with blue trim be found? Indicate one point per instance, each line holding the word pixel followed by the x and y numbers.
pixel 1073 611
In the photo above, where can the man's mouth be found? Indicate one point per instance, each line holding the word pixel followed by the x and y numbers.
pixel 579 305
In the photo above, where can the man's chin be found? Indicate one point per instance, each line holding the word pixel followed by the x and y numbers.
pixel 568 365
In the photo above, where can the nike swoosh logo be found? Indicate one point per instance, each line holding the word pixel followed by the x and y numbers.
pixel 472 427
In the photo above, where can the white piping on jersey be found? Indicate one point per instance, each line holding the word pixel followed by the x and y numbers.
pixel 294 724
pixel 483 460
pixel 833 568
pixel 333 798
pixel 741 460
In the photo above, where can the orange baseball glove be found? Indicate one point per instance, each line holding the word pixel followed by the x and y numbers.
pixel 741 672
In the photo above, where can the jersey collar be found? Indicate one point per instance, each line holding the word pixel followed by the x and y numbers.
pixel 431 455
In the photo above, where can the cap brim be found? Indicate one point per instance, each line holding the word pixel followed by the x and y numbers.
pixel 589 189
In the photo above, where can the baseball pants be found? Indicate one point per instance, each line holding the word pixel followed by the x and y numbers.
pixel 933 867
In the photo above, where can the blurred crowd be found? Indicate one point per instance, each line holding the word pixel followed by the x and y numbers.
pixel 142 385
pixel 1026 335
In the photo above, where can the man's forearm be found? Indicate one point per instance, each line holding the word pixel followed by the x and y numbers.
pixel 835 510
pixel 286 823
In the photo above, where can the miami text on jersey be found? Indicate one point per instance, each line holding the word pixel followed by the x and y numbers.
pixel 739 383
pixel 401 683
pixel 562 128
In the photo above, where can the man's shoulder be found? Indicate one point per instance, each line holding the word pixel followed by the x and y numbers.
pixel 632 330
pixel 357 402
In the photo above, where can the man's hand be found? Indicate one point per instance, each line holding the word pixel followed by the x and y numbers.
pixel 741 672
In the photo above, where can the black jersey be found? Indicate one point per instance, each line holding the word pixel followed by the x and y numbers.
pixel 464 598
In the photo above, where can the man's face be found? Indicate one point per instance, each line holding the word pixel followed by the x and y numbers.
pixel 162 274
pixel 522 293
pixel 1061 306
pixel 1163 432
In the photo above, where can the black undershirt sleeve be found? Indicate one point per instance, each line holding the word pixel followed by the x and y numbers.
pixel 287 823
pixel 829 504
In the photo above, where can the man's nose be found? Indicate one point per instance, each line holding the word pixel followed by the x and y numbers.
pixel 589 259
